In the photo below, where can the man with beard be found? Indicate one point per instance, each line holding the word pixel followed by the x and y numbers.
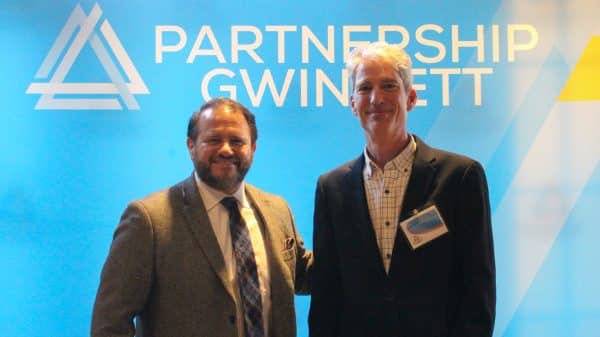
pixel 402 234
pixel 211 256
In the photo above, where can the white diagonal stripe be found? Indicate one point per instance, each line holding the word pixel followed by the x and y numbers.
pixel 543 193
pixel 86 29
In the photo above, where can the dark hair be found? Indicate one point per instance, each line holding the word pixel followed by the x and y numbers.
pixel 192 130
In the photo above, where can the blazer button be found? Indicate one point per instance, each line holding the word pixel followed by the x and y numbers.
pixel 232 319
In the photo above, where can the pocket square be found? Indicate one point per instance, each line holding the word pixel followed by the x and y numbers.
pixel 288 243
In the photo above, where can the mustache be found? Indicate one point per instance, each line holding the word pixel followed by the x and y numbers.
pixel 220 158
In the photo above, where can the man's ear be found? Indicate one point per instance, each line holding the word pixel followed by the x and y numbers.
pixel 411 99
pixel 352 105
pixel 190 146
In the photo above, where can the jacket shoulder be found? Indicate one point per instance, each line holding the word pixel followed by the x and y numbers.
pixel 452 166
pixel 336 174
pixel 261 195
pixel 162 201
pixel 444 158
pixel 454 159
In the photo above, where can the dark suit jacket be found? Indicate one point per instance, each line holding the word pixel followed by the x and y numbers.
pixel 445 288
pixel 165 267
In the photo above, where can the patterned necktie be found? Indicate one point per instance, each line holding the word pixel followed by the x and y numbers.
pixel 247 274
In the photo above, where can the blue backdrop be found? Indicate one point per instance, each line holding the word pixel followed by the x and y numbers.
pixel 96 98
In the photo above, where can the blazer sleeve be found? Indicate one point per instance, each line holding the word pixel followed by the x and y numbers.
pixel 323 320
pixel 126 276
pixel 477 304
pixel 304 261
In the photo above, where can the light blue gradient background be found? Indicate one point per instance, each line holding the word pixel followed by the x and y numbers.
pixel 66 176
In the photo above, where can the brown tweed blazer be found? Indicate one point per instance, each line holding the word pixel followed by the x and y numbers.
pixel 166 270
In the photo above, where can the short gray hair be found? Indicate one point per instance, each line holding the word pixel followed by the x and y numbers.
pixel 383 51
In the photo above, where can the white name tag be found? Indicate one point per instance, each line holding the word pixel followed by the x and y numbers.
pixel 424 227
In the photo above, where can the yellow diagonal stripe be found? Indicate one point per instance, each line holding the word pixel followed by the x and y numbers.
pixel 584 83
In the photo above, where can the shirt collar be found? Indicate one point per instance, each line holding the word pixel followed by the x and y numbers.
pixel 397 163
pixel 212 196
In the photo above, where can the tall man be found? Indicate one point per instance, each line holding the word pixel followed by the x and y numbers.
pixel 211 256
pixel 402 234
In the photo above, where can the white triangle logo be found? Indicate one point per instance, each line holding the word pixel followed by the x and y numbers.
pixel 56 85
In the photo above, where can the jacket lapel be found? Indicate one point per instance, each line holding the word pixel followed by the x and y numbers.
pixel 271 234
pixel 281 281
pixel 419 185
pixel 199 224
pixel 358 213
pixel 416 196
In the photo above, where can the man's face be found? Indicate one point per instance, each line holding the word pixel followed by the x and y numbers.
pixel 380 99
pixel 222 152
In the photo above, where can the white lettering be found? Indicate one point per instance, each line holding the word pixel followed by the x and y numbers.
pixel 206 31
pixel 231 90
pixel 430 43
pixel 512 44
pixel 249 48
pixel 160 48
pixel 479 44
pixel 267 79
pixel 280 30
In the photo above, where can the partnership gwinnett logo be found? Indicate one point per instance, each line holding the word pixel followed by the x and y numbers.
pixel 80 95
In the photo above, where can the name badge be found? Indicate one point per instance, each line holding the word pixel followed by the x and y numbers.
pixel 424 227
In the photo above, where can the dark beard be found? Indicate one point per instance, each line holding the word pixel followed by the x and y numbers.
pixel 222 184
